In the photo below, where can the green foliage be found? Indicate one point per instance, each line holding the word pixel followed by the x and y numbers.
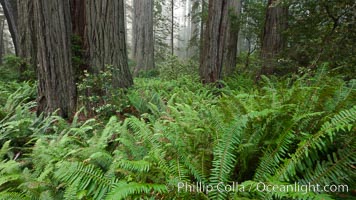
pixel 173 68
pixel 15 68
pixel 10 69
pixel 97 94
pixel 78 63
pixel 122 190
pixel 279 132
pixel 316 29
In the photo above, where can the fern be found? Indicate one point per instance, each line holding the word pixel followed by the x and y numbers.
pixel 342 121
pixel 122 190
pixel 135 166
pixel 337 169
pixel 5 148
pixel 276 152
pixel 84 177
pixel 224 157
pixel 6 195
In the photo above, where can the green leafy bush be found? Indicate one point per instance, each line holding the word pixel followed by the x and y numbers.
pixel 97 94
pixel 173 68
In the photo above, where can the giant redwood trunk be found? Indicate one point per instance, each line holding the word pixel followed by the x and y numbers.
pixel 211 57
pixel 106 40
pixel 142 30
pixel 19 15
pixel 272 39
pixel 56 87
pixel 27 45
pixel 232 32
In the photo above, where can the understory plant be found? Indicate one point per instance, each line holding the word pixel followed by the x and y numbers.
pixel 295 131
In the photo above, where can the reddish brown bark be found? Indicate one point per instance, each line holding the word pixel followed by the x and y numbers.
pixel 211 59
pixel 272 39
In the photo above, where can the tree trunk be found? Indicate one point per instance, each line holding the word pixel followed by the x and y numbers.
pixel 172 27
pixel 232 33
pixel 194 29
pixel 142 26
pixel 2 29
pixel 202 28
pixel 27 44
pixel 211 60
pixel 272 39
pixel 80 61
pixel 106 41
pixel 56 89
pixel 10 10
pixel 77 8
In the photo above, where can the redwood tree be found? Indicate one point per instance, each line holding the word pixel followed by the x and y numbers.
pixel 211 58
pixel 142 31
pixel 105 39
pixel 56 86
pixel 272 39
pixel 232 32
pixel 27 44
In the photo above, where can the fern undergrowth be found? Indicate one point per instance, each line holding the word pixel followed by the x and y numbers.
pixel 180 132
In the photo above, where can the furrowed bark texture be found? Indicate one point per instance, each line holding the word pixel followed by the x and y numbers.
pixel 232 32
pixel 142 26
pixel 56 89
pixel 106 41
pixel 211 59
pixel 78 17
pixel 272 40
pixel 27 47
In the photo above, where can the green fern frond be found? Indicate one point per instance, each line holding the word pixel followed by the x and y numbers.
pixel 122 190
pixel 134 165
pixel 4 149
pixel 9 178
pixel 47 171
pixel 9 167
pixel 110 128
pixel 102 159
pixel 89 177
pixel 6 195
pixel 280 190
pixel 196 172
pixel 337 169
pixel 276 152
pixel 345 120
pixel 224 157
pixel 21 95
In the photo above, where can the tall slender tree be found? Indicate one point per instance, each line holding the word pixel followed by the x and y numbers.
pixel 203 21
pixel 56 87
pixel 142 31
pixel 232 33
pixel 172 27
pixel 10 11
pixel 273 41
pixel 2 30
pixel 211 57
pixel 194 28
